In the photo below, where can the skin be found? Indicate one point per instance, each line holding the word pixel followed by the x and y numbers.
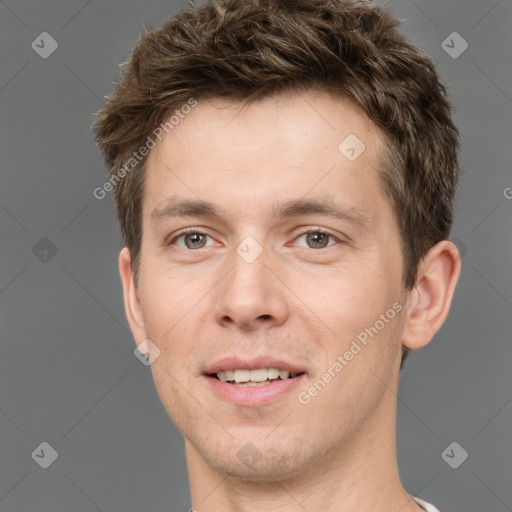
pixel 296 301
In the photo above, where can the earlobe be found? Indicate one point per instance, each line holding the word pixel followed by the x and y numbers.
pixel 132 305
pixel 429 301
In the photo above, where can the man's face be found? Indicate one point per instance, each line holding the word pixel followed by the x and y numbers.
pixel 251 283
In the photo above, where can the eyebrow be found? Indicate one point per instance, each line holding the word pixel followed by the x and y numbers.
pixel 176 207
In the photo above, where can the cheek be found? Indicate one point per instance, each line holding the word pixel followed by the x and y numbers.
pixel 358 309
pixel 170 307
pixel 349 299
pixel 169 293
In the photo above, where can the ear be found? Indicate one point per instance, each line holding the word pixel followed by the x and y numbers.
pixel 430 299
pixel 131 299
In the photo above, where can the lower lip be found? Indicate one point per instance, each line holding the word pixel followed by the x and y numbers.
pixel 253 396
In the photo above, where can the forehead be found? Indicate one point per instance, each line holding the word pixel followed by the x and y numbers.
pixel 271 150
pixel 308 120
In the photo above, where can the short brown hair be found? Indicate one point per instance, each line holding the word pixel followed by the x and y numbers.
pixel 245 50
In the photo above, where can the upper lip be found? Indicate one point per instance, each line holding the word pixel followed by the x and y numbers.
pixel 238 363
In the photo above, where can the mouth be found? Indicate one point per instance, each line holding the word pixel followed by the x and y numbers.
pixel 251 383
pixel 256 377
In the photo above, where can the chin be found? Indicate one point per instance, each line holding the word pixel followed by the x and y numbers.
pixel 258 461
pixel 268 471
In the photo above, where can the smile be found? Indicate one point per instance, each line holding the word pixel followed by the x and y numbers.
pixel 257 377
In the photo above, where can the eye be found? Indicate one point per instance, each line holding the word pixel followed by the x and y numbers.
pixel 316 239
pixel 191 240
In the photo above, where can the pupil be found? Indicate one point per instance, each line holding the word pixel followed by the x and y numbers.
pixel 196 239
pixel 316 239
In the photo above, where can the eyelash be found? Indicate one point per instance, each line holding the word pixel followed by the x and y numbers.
pixel 190 231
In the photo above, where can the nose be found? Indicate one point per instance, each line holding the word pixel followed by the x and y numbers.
pixel 251 296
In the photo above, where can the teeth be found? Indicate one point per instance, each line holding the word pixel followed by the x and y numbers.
pixel 284 374
pixel 259 375
pixel 254 377
pixel 272 373
pixel 242 375
pixel 250 383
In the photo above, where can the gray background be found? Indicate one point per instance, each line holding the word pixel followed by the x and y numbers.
pixel 68 375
